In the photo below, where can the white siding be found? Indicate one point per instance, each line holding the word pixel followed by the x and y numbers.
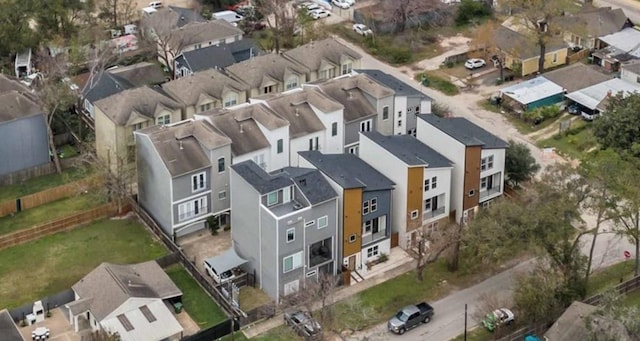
pixel 272 158
pixel 302 144
pixel 383 247
pixel 332 144
pixel 629 76
pixel 443 176
pixel 399 115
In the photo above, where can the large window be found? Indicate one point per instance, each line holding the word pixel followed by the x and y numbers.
pixel 198 181
pixel 163 119
pixel 292 262
pixel 486 163
pixel 372 251
pixel 272 198
pixel 230 99
pixel 320 252
pixel 292 82
pixel 291 235
pixel 192 209
pixel 221 166
pixel 365 125
pixel 371 226
pixel 205 107
pixel 346 68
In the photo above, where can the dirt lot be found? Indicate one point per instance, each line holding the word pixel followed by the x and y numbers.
pixel 201 245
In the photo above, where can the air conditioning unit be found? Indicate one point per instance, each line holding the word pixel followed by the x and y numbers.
pixel 297 206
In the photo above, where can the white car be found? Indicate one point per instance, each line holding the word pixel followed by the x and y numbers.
pixel 474 63
pixel 311 7
pixel 362 30
pixel 344 4
pixel 319 13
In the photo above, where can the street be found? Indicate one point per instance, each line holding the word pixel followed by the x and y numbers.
pixel 449 319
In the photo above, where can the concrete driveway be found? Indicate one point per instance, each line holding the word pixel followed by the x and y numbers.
pixel 201 245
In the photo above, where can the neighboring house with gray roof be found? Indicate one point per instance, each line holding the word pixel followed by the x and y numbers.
pixel 206 90
pixel 581 321
pixel 215 57
pixel 268 74
pixel 285 225
pixel 366 105
pixel 408 102
pixel 257 133
pixel 577 76
pixel 630 72
pixel 128 300
pixel 24 139
pixel 325 59
pixel 119 115
pixel 364 207
pixel 315 121
pixel 422 176
pixel 119 78
pixel 182 175
pixel 478 159
pixel 583 28
pixel 8 328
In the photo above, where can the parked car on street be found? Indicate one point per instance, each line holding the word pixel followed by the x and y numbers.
pixel 319 13
pixel 497 318
pixel 344 4
pixel 410 317
pixel 302 323
pixel 474 63
pixel 310 6
pixel 362 30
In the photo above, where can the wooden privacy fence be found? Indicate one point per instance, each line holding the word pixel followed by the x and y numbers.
pixel 578 56
pixel 48 195
pixel 58 225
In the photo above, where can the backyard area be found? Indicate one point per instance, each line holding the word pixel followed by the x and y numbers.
pixel 41 183
pixel 48 212
pixel 54 263
pixel 202 309
pixel 574 143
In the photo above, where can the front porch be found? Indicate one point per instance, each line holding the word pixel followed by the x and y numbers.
pixel 396 257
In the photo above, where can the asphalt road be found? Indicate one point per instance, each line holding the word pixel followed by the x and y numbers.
pixel 449 319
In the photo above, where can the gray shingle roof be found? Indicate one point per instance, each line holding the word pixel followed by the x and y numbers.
pixel 633 66
pixel 311 183
pixel 14 105
pixel 464 131
pixel 201 32
pixel 348 170
pixel 143 100
pixel 8 329
pixel 105 84
pixel 399 87
pixel 262 181
pixel 350 92
pixel 576 76
pixel 253 71
pixel 409 150
pixel 180 145
pixel 182 16
pixel 213 83
pixel 312 54
pixel 218 56
pixel 596 22
pixel 140 74
pixel 517 44
pixel 296 107
pixel 110 285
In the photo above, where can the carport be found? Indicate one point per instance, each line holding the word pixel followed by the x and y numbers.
pixel 531 94
pixel 226 261
pixel 592 97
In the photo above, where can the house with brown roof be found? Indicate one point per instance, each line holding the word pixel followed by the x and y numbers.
pixel 206 90
pixel 183 176
pixel 315 121
pixel 521 51
pixel 325 59
pixel 128 300
pixel 23 128
pixel 582 29
pixel 364 102
pixel 119 115
pixel 269 74
pixel 257 133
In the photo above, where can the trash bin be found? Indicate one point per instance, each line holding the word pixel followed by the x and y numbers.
pixel 178 307
pixel 425 81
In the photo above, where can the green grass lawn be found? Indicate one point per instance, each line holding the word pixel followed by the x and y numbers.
pixel 41 183
pixel 68 151
pixel 632 299
pixel 202 309
pixel 608 277
pixel 48 212
pixel 438 82
pixel 251 298
pixel 54 263
pixel 522 126
pixel 574 143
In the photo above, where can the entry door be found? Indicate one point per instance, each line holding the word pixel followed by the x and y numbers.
pixel 352 263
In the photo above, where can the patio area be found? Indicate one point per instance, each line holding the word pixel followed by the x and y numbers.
pixel 397 258
pixel 59 328
pixel 202 245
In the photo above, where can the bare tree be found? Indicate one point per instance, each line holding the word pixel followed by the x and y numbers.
pixel 117 12
pixel 401 12
pixel 280 17
pixel 434 243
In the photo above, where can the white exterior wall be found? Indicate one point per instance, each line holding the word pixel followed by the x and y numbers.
pixel 396 170
pixel 452 150
pixel 255 154
pixel 130 304
pixel 400 106
pixel 227 40
pixel 302 144
pixel 443 187
pixel 272 158
pixel 332 144
pixel 383 247
pixel 425 107
pixel 628 76
pixel 499 158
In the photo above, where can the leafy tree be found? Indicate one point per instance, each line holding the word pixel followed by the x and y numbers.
pixel 542 21
pixel 280 19
pixel 619 128
pixel 117 12
pixel 520 165
pixel 622 322
pixel 469 11
pixel 15 33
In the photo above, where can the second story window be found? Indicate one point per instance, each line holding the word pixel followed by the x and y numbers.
pixel 221 166
pixel 346 68
pixel 164 119
pixel 272 198
pixel 291 235
pixel 486 163
pixel 138 126
pixel 280 146
pixel 334 128
pixel 385 112
pixel 267 89
pixel 434 182
pixel 230 100
pixel 374 204
pixel 292 83
pixel 365 207
pixel 198 182
pixel 365 125
pixel 427 183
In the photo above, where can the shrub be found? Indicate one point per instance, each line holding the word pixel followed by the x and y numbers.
pixel 470 10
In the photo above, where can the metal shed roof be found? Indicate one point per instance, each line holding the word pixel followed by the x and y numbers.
pixel 225 261
pixel 591 96
pixel 532 90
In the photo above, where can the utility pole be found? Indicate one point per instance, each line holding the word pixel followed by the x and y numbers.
pixel 465 322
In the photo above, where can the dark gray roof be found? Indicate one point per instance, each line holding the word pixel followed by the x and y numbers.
pixel 408 149
pixel 401 88
pixel 348 170
pixel 219 56
pixel 262 181
pixel 464 131
pixel 8 328
pixel 596 22
pixel 139 74
pixel 255 70
pixel 576 76
pixel 311 183
pixel 184 16
pixel 110 285
pixel 210 83
pixel 105 84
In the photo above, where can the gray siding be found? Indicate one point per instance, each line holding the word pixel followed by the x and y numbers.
pixel 24 144
pixel 412 117
pixel 352 130
pixel 220 181
pixel 182 185
pixel 153 183
pixel 268 247
pixel 384 208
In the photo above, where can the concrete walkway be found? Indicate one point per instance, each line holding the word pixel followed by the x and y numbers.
pixel 340 295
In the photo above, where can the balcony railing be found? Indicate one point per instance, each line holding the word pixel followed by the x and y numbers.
pixel 372 237
pixel 489 192
pixel 192 214
pixel 433 213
